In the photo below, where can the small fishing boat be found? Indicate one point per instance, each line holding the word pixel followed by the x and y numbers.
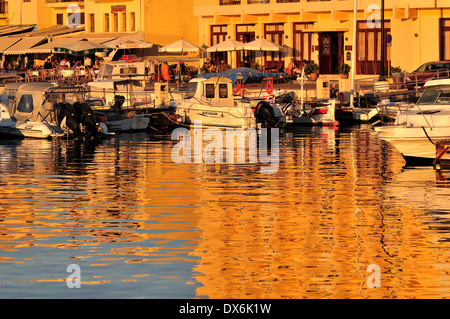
pixel 116 118
pixel 212 102
pixel 415 132
pixel 319 113
pixel 44 110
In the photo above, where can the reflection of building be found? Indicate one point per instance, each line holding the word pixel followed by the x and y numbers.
pixel 322 30
pixel 312 231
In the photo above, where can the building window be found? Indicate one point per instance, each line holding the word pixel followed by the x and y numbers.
pixel 116 22
pixel 59 19
pixel 368 48
pixel 106 23
pixel 229 2
pixel 274 32
pixel 445 39
pixel 3 7
pixel 91 22
pixel 82 18
pixel 132 21
pixel 124 21
pixel 302 41
pixel 218 34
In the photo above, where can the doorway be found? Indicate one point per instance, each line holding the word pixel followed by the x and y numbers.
pixel 245 34
pixel 331 51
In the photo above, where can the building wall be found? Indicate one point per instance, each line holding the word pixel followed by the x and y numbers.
pixel 169 21
pixel 414 24
pixel 99 8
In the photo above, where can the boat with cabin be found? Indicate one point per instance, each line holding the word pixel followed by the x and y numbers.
pixel 44 110
pixel 211 101
pixel 416 132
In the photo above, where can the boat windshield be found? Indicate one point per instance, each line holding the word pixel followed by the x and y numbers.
pixel 435 95
pixel 192 88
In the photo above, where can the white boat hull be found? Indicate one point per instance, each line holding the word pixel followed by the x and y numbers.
pixel 215 116
pixel 30 129
pixel 416 144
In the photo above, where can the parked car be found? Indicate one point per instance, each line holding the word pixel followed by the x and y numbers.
pixel 427 71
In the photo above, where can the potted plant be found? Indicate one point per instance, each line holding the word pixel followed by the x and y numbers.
pixel 312 69
pixel 344 70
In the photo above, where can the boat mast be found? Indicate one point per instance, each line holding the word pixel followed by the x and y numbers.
pixel 352 87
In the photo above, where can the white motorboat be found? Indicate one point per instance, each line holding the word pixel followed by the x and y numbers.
pixel 415 132
pixel 41 110
pixel 212 102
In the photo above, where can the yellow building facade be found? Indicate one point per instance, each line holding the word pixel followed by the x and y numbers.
pixel 322 31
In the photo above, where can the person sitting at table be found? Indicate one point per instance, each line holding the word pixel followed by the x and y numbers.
pixel 292 68
pixel 48 64
pixel 62 63
pixel 208 64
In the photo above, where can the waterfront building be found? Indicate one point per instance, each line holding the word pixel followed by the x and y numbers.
pixel 321 31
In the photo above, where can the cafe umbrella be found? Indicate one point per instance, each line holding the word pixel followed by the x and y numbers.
pixel 82 47
pixel 262 44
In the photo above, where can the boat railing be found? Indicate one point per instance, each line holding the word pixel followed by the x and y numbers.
pixel 403 82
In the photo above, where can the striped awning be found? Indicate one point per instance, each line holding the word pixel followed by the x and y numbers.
pixel 25 44
pixel 6 42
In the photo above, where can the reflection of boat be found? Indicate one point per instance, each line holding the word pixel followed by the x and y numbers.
pixel 421 188
pixel 41 110
pixel 212 102
pixel 415 132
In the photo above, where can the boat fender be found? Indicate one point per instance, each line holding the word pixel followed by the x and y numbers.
pixel 237 88
pixel 269 87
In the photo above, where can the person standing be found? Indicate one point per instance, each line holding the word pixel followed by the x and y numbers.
pixel 165 71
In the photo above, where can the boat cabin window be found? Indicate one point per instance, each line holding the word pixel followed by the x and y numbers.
pixel 435 95
pixel 105 70
pixel 223 91
pixel 4 99
pixel 209 89
pixel 192 88
pixel 125 71
pixel 26 104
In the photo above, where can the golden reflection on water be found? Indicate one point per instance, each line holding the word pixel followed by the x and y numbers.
pixel 336 205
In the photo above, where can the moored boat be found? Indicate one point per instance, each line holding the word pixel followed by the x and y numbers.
pixel 44 110
pixel 212 102
pixel 415 132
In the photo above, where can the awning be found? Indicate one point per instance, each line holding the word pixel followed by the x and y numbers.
pixel 14 29
pixel 48 47
pixel 22 46
pixel 6 42
pixel 52 32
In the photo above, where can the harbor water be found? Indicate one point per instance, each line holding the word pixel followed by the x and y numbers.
pixel 340 218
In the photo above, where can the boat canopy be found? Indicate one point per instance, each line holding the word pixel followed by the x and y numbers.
pixel 247 74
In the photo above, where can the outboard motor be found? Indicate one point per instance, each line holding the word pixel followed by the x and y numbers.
pixel 86 118
pixel 264 114
pixel 69 113
pixel 118 101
